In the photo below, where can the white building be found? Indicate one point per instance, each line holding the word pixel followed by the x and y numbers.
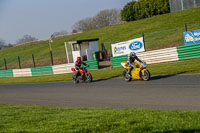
pixel 81 48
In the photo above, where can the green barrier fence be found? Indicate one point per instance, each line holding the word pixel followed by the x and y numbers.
pixel 184 52
pixel 188 52
pixel 6 73
pixel 116 61
pixel 93 65
pixel 42 71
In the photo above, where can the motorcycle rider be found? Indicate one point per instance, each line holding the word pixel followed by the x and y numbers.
pixel 131 59
pixel 78 64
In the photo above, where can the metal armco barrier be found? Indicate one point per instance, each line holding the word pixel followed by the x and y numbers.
pixel 159 56
pixel 6 73
pixel 150 57
pixel 116 61
pixel 189 52
pixel 47 70
pixel 64 68
pixel 42 71
pixel 22 72
pixel 93 65
pixel 163 55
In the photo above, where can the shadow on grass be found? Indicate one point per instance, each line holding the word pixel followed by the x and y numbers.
pixel 98 80
pixel 183 131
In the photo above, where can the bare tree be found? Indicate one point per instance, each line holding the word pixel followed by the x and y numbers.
pixel 10 45
pixel 26 38
pixel 74 31
pixel 85 25
pixel 62 32
pixel 2 43
pixel 108 18
pixel 102 19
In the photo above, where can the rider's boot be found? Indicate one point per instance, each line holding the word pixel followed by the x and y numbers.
pixel 76 74
pixel 129 71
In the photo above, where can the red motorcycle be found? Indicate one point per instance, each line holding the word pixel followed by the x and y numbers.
pixel 82 75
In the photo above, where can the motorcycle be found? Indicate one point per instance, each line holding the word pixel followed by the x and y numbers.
pixel 140 72
pixel 82 75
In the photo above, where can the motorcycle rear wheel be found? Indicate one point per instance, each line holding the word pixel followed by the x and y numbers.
pixel 127 77
pixel 146 76
pixel 89 78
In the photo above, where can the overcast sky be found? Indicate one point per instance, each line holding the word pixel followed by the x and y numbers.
pixel 41 18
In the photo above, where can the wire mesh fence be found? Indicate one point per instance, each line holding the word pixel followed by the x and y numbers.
pixel 177 5
pixel 32 60
pixel 171 37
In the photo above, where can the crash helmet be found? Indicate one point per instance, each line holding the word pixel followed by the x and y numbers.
pixel 78 59
pixel 132 54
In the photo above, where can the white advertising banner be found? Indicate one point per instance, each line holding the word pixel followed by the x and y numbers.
pixel 124 48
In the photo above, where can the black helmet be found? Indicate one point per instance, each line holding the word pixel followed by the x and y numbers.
pixel 132 54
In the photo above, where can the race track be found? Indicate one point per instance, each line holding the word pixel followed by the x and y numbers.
pixel 161 92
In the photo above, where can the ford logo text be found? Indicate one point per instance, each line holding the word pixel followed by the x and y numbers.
pixel 135 45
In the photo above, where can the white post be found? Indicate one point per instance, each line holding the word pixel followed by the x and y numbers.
pixel 66 52
pixel 87 55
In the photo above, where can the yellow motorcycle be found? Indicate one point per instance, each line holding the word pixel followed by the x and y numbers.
pixel 140 72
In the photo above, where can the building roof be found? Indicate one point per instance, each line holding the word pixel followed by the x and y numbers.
pixel 87 40
pixel 81 41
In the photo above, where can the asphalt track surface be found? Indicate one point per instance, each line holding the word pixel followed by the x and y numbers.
pixel 174 92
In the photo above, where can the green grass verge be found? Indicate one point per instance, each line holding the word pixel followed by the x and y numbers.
pixel 40 119
pixel 186 66
pixel 160 31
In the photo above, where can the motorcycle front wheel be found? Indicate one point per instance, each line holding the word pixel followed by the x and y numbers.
pixel 127 77
pixel 75 79
pixel 88 78
pixel 146 76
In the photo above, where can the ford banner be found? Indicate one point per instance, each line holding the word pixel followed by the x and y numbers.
pixel 192 37
pixel 124 48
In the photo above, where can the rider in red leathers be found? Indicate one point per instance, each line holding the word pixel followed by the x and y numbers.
pixel 78 64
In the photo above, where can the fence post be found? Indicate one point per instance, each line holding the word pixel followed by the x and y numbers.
pixel 19 62
pixel 185 27
pixel 5 64
pixel 144 41
pixel 182 5
pixel 33 60
pixel 50 41
pixel 51 57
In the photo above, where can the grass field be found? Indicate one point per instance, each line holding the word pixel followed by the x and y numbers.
pixel 186 66
pixel 160 31
pixel 40 119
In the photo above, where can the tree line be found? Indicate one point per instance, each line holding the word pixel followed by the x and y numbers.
pixel 24 39
pixel 103 19
pixel 140 9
